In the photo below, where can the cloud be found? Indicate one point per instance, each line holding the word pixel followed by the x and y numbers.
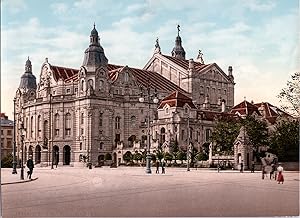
pixel 59 8
pixel 14 6
pixel 255 5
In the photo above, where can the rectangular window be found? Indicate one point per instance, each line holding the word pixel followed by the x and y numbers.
pixel 81 118
pixel 207 135
pixel 2 132
pixel 68 91
pixel 68 131
pixel 182 134
pixel 101 119
pixel 118 138
pixel 9 144
pixel 9 132
pixel 82 131
pixel 56 132
pixel 80 146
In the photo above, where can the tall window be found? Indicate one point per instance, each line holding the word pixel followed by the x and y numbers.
pixel 117 126
pixel 56 124
pixel 101 145
pixel 46 130
pixel 81 118
pixel 82 84
pixel 80 146
pixel 101 119
pixel 91 83
pixel 39 125
pixel 207 135
pixel 68 124
pixel 162 135
pixel 31 126
pixel 182 134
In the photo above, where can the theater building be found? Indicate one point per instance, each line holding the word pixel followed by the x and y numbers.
pixel 94 113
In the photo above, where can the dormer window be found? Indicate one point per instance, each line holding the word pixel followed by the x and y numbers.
pixel 167 110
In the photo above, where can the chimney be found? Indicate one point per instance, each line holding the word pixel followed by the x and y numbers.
pixel 230 71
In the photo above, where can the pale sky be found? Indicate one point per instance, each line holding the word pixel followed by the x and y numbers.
pixel 259 39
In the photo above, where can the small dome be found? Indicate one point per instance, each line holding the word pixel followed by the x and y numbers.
pixel 94 32
pixel 28 81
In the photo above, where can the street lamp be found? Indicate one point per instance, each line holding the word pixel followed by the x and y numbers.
pixel 188 144
pixel 14 163
pixel 218 150
pixel 155 100
pixel 23 131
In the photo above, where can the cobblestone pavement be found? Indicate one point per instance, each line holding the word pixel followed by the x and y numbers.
pixel 80 192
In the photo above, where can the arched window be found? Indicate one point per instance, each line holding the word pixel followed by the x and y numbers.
pixel 39 125
pixel 101 145
pixel 56 124
pixel 101 84
pixel 117 123
pixel 82 118
pixel 91 83
pixel 133 120
pixel 31 126
pixel 162 135
pixel 100 119
pixel 68 124
pixel 82 85
pixel 46 130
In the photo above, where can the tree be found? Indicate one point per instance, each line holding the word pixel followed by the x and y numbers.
pixel 174 148
pixel 168 157
pixel 257 132
pixel 127 157
pixel 290 95
pixel 284 141
pixel 202 156
pixel 225 133
pixel 6 162
pixel 181 156
pixel 159 154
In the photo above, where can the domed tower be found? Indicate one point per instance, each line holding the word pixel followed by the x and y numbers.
pixel 94 55
pixel 28 80
pixel 93 72
pixel 178 50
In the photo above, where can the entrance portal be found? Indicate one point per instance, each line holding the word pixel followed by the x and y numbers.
pixel 67 155
pixel 55 154
pixel 37 154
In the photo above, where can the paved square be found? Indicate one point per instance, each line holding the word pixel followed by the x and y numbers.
pixel 67 191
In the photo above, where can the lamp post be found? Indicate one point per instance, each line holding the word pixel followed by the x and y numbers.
pixel 188 144
pixel 218 150
pixel 14 163
pixel 155 100
pixel 22 130
pixel 51 131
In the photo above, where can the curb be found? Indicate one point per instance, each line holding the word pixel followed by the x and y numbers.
pixel 22 181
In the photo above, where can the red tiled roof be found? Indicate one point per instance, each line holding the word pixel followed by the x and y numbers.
pixel 176 99
pixel 271 112
pixel 245 108
pixel 64 73
pixel 212 115
pixel 185 63
pixel 143 77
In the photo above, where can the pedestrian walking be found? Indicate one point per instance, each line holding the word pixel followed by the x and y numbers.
pixel 157 166
pixel 252 167
pixel 272 171
pixel 280 174
pixel 30 166
pixel 263 171
pixel 242 167
pixel 163 165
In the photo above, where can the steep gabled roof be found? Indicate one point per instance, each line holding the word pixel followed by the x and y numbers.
pixel 63 73
pixel 144 77
pixel 185 63
pixel 245 108
pixel 176 99
pixel 272 112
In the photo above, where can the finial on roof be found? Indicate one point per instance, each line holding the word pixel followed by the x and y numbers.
pixel 178 30
pixel 244 98
pixel 94 26
pixel 157 47
pixel 200 57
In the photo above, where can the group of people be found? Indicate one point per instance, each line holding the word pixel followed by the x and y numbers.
pixel 163 166
pixel 277 174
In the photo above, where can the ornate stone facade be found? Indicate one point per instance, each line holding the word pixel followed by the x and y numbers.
pixel 94 112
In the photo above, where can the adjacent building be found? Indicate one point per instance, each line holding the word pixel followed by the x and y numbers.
pixel 7 131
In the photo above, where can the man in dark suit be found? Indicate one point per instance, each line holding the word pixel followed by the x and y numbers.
pixel 30 166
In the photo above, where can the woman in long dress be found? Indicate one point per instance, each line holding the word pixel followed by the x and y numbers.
pixel 280 174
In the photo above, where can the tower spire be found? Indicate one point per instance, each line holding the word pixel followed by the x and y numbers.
pixel 178 50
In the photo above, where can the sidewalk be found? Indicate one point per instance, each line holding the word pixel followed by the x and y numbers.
pixel 8 178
